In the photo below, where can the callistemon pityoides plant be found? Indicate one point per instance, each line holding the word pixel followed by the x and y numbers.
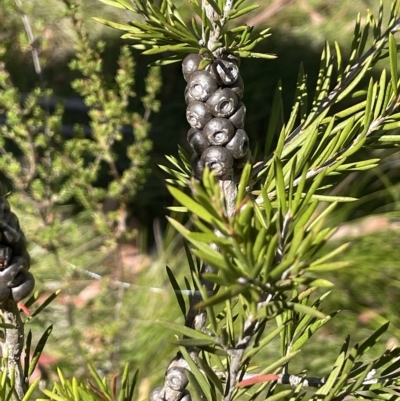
pixel 216 115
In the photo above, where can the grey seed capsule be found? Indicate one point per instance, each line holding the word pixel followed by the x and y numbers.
pixel 4 209
pixel 154 393
pixel 7 275
pixel 201 85
pixel 190 64
pixel 197 165
pixel 186 396
pixel 232 58
pixel 225 72
pixel 219 131
pixel 5 292
pixel 238 87
pixel 176 378
pixel 188 97
pixel 239 144
pixel 197 114
pixel 223 102
pixel 15 272
pixel 197 140
pixel 5 256
pixel 24 289
pixel 218 159
pixel 239 164
pixel 237 118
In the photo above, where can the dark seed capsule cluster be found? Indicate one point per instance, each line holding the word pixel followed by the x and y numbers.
pixel 15 279
pixel 216 115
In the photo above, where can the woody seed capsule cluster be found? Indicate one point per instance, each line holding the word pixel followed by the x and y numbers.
pixel 216 115
pixel 16 281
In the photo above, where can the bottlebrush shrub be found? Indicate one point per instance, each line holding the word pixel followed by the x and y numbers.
pixel 255 244
pixel 255 237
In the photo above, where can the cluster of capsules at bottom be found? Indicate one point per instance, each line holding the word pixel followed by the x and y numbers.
pixel 216 115
pixel 16 282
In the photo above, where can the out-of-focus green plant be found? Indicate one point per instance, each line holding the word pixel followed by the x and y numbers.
pixel 96 388
pixel 73 189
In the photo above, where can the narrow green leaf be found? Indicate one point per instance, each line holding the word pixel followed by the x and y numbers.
pixel 100 383
pixel 247 54
pixel 339 250
pixel 280 186
pixel 333 199
pixel 210 374
pixel 38 350
pixel 112 3
pixel 193 342
pixel 7 326
pixel 45 303
pixel 243 184
pixel 235 14
pixel 32 299
pixel 308 310
pixel 276 118
pixel 282 394
pixel 133 385
pixel 28 345
pixel 355 386
pixel 279 363
pixel 211 256
pixel 379 104
pixel 75 389
pixel 166 61
pixel 393 63
pixel 186 331
pixel 32 387
pixel 127 5
pixel 327 267
pixel 265 341
pixel 222 296
pixel 310 330
pixel 181 47
pixel 116 25
pixel 372 339
pixel 202 382
pixel 325 389
pixel 195 28
pixel 191 204
pixel 177 290
pixel 52 395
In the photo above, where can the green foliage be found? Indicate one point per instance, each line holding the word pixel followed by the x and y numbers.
pixel 71 390
pixel 268 258
pixel 270 264
pixel 61 185
pixel 164 29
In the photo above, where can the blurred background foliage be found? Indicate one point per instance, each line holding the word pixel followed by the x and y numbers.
pixel 113 291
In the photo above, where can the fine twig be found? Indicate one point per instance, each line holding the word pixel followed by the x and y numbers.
pixel 236 355
pixel 32 41
pixel 13 343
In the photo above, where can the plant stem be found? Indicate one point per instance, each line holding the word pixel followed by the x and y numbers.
pixel 196 318
pixel 13 344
